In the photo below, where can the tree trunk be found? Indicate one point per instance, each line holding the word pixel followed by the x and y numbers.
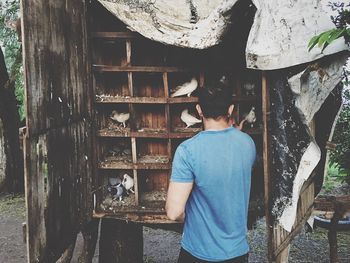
pixel 120 241
pixel 11 157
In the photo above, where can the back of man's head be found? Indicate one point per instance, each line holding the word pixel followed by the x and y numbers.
pixel 214 99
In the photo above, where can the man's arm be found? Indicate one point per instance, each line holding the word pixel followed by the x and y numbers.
pixel 177 197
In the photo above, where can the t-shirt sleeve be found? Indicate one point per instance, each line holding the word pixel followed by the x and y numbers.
pixel 181 169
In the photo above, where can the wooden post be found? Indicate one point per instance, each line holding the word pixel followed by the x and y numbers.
pixel 120 241
pixel 90 234
pixel 332 232
pixel 266 162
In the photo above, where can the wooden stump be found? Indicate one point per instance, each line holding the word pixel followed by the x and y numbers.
pixel 120 242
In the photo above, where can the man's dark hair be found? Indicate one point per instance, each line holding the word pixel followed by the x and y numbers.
pixel 215 98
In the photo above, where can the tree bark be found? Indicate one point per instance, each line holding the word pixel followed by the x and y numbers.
pixel 120 242
pixel 11 157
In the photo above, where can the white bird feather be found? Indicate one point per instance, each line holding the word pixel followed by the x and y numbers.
pixel 185 89
pixel 251 117
pixel 128 182
pixel 120 117
pixel 188 118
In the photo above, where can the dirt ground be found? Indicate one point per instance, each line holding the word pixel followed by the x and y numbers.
pixel 163 246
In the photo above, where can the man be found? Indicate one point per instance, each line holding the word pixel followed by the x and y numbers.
pixel 210 184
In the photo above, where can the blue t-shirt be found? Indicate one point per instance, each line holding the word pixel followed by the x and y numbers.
pixel 219 163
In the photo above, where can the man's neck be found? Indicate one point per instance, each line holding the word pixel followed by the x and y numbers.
pixel 215 125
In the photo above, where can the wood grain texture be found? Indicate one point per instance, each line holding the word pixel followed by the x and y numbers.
pixel 58 148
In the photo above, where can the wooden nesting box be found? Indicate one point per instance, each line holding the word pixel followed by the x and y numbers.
pixel 87 65
pixel 136 76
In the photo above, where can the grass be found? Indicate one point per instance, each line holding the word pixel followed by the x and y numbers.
pixel 332 180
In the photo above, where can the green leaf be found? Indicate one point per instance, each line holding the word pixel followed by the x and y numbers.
pixel 335 35
pixel 313 42
pixel 324 37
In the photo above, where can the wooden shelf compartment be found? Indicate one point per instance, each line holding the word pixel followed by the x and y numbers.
pixel 177 79
pixel 177 125
pixel 109 52
pixel 150 118
pixel 154 56
pixel 106 118
pixel 148 85
pixel 150 154
pixel 153 185
pixel 250 83
pixel 109 86
pixel 108 202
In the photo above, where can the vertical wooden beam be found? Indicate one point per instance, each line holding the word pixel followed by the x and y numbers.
pixel 135 175
pixel 266 162
pixel 167 119
pixel 120 242
pixel 128 52
pixel 90 234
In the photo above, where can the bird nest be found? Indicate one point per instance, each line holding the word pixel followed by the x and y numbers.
pixel 109 204
pixel 153 159
pixel 152 130
pixel 116 127
pixel 189 130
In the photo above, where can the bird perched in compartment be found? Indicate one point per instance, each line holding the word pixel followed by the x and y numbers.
pixel 128 183
pixel 113 181
pixel 250 117
pixel 186 89
pixel 249 89
pixel 188 118
pixel 120 117
pixel 115 188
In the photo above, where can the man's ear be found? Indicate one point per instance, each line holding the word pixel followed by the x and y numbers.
pixel 230 109
pixel 199 110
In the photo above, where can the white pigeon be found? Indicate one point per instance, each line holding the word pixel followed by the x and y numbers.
pixel 188 118
pixel 250 117
pixel 128 183
pixel 186 89
pixel 120 117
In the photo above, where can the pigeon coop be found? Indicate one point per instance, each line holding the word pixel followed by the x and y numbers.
pixel 136 77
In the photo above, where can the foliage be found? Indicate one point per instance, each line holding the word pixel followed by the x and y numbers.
pixel 341 22
pixel 340 158
pixel 9 11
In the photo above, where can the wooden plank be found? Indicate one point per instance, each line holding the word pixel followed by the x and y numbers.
pixel 56 67
pixel 128 52
pixel 135 166
pixel 59 163
pixel 135 175
pixel 326 203
pixel 114 35
pixel 120 241
pixel 286 241
pixel 106 68
pixel 266 161
pixel 134 100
